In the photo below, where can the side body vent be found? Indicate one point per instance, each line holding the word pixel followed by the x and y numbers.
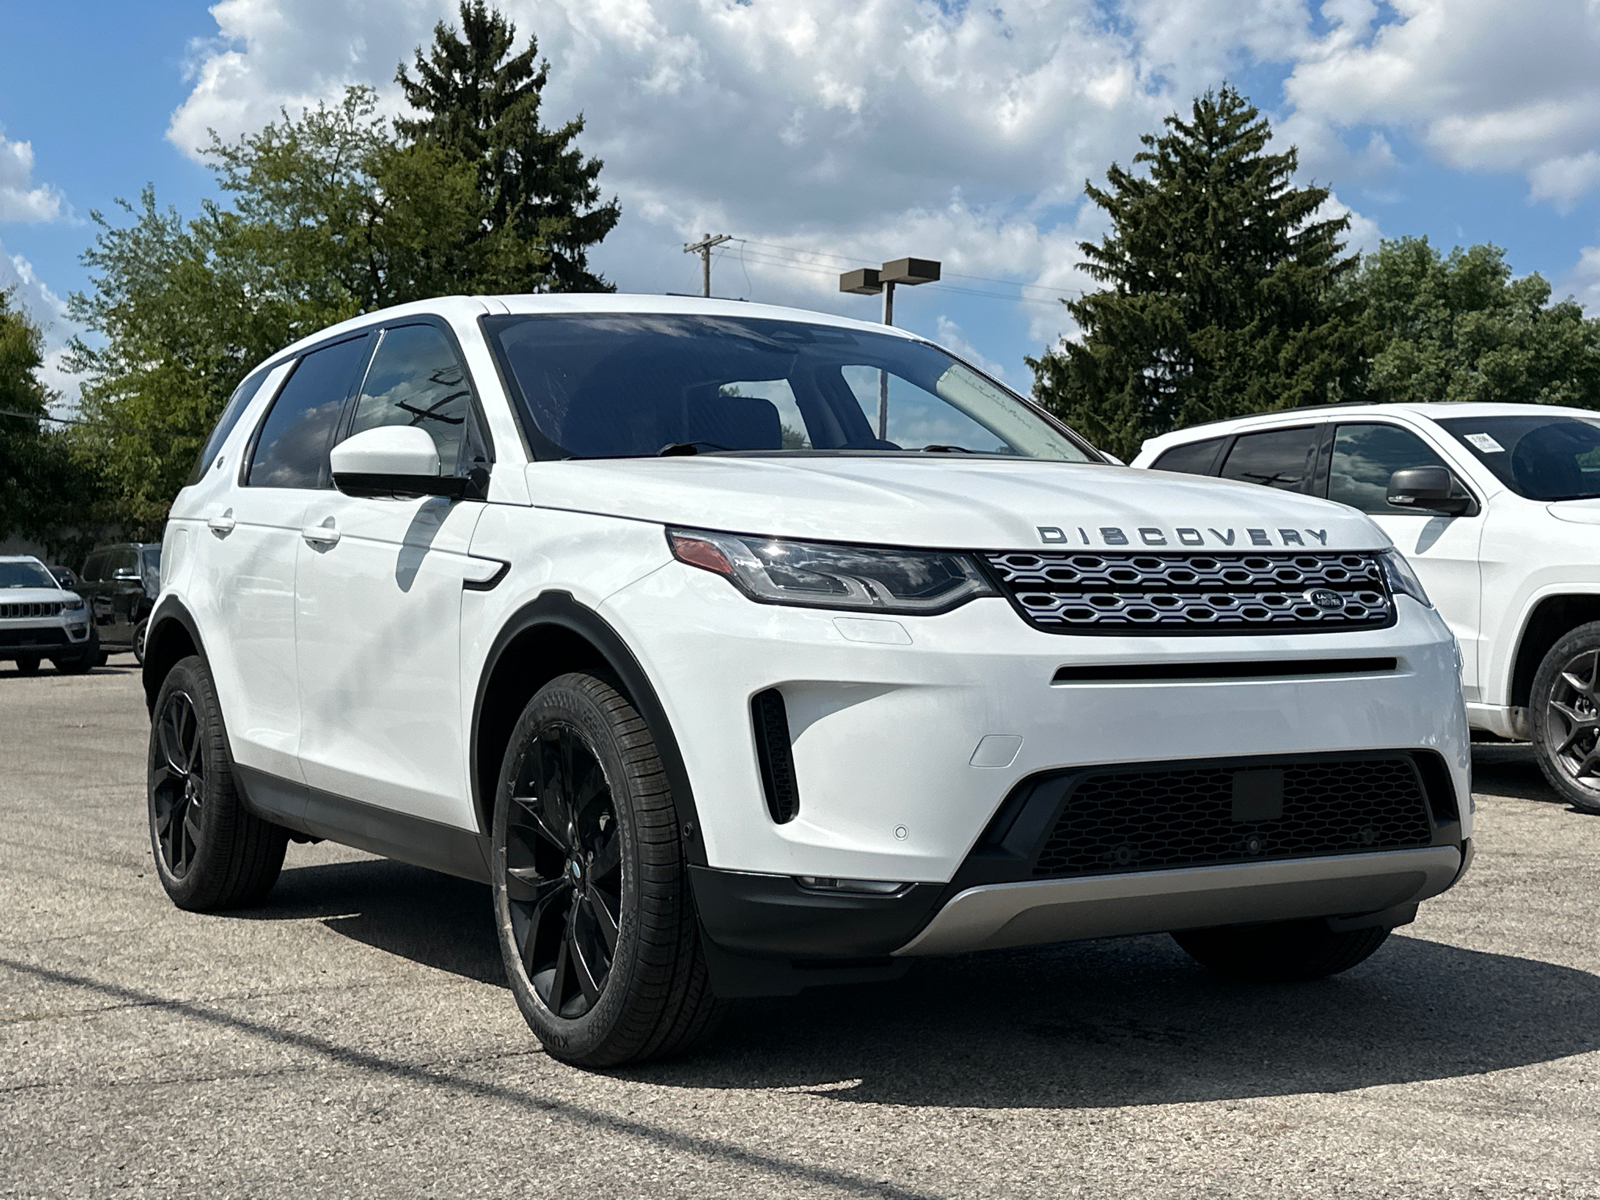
pixel 775 754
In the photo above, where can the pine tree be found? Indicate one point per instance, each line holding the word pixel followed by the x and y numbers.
pixel 1222 293
pixel 482 101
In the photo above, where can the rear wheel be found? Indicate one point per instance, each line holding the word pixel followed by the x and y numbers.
pixel 138 642
pixel 210 851
pixel 1565 712
pixel 591 890
pixel 1283 952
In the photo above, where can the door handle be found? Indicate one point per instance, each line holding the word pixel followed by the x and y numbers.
pixel 324 535
pixel 222 526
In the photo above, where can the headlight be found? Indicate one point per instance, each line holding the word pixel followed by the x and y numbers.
pixel 74 606
pixel 1401 578
pixel 818 575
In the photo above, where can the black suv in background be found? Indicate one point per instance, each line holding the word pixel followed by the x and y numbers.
pixel 121 583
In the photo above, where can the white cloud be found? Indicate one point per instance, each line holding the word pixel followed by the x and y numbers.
pixel 49 312
pixel 20 198
pixel 951 336
pixel 1483 84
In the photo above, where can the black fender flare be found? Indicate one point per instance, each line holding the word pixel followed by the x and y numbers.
pixel 167 610
pixel 559 610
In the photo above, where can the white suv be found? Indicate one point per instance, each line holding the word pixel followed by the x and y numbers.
pixel 40 619
pixel 741 649
pixel 1493 505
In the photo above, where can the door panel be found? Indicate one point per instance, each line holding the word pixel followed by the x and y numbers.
pixel 378 616
pixel 1443 550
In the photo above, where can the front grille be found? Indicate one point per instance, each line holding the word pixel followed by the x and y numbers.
pixel 1120 820
pixel 1068 592
pixel 45 608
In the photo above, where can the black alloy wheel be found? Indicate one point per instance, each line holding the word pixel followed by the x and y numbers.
pixel 1565 714
pixel 177 784
pixel 210 850
pixel 597 928
pixel 564 871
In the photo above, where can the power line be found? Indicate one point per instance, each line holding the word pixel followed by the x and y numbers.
pixel 169 433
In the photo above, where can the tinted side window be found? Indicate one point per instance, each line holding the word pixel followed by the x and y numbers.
pixel 416 379
pixel 231 412
pixel 1280 458
pixel 292 448
pixel 123 558
pixel 1364 456
pixel 1197 458
pixel 93 567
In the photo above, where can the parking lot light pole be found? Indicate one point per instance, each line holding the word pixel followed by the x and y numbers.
pixel 865 281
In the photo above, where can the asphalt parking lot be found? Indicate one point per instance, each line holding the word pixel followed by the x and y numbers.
pixel 354 1036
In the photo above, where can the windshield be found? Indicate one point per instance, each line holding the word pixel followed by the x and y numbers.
pixel 1540 457
pixel 26 575
pixel 635 385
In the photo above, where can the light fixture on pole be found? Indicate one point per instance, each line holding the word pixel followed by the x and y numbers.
pixel 866 281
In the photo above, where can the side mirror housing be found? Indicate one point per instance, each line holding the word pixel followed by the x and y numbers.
pixel 125 574
pixel 1429 489
pixel 392 460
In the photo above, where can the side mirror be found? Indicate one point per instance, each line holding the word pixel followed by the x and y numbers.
pixel 1428 489
pixel 125 573
pixel 392 460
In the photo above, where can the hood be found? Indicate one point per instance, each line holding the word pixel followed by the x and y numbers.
pixel 1578 512
pixel 952 502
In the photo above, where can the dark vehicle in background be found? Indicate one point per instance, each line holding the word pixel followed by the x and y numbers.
pixel 65 576
pixel 121 583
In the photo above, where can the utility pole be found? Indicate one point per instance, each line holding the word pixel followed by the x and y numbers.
pixel 869 281
pixel 703 248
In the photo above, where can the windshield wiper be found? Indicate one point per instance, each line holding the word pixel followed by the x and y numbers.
pixel 674 449
pixel 935 448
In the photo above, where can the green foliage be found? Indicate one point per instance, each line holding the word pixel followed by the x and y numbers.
pixel 328 214
pixel 1458 327
pixel 481 101
pixel 44 494
pixel 1222 288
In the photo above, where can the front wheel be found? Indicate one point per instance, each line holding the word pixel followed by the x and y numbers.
pixel 591 891
pixel 1283 952
pixel 28 666
pixel 138 642
pixel 210 851
pixel 1565 713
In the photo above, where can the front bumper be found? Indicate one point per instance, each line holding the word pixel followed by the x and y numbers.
pixel 45 639
pixel 904 746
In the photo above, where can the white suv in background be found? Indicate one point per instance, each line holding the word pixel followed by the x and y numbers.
pixel 1497 508
pixel 741 649
pixel 40 619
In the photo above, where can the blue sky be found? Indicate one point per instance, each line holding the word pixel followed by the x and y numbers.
pixel 832 133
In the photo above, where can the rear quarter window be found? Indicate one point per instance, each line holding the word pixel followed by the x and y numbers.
pixel 1194 458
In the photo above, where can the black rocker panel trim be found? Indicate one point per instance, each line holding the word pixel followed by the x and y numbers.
pixel 414 840
pixel 560 610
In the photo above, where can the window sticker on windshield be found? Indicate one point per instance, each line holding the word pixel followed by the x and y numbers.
pixel 1485 443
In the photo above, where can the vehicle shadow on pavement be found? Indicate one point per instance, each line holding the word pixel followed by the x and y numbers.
pixel 1134 1021
pixel 436 920
pixel 1093 1024
pixel 1509 769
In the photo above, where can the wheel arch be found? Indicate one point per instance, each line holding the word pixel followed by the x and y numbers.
pixel 170 635
pixel 548 637
pixel 1550 619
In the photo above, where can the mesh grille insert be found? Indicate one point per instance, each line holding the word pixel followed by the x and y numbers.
pixel 1068 592
pixel 775 755
pixel 1146 820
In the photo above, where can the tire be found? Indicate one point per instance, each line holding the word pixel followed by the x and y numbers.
pixel 82 663
pixel 591 890
pixel 1564 708
pixel 1283 952
pixel 210 851
pixel 28 666
pixel 138 642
